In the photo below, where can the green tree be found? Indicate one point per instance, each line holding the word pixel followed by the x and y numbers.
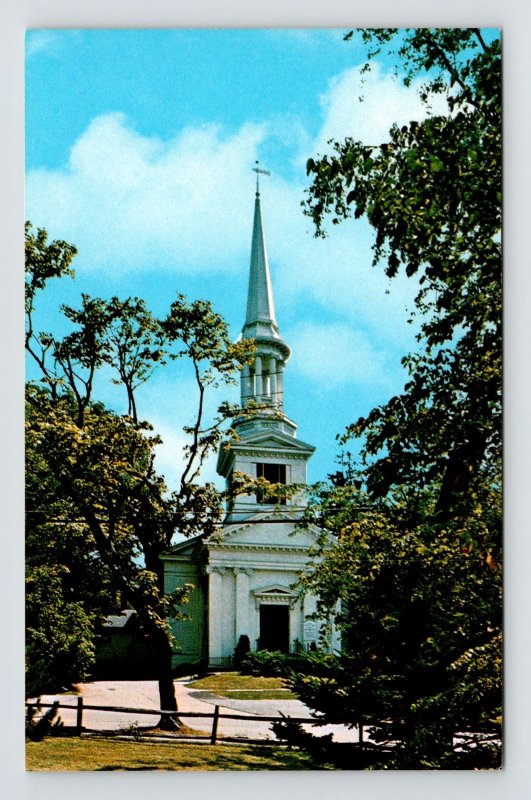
pixel 102 463
pixel 416 561
pixel 60 636
pixel 68 588
pixel 432 193
pixel 418 606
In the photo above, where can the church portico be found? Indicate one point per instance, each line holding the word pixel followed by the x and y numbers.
pixel 245 595
pixel 247 577
pixel 258 564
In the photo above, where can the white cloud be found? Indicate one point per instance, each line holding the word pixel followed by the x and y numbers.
pixel 49 41
pixel 170 459
pixel 41 40
pixel 337 271
pixel 335 354
pixel 364 106
pixel 131 202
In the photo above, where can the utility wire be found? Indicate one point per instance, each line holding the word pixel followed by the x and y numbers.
pixel 285 510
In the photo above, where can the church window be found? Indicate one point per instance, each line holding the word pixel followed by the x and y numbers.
pixel 274 473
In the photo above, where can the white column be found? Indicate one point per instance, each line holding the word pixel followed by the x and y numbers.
pixel 215 612
pixel 280 383
pixel 273 383
pixel 242 603
pixel 258 386
pixel 246 390
pixel 266 382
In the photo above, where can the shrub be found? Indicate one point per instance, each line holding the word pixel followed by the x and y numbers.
pixel 273 663
pixel 241 650
pixel 47 722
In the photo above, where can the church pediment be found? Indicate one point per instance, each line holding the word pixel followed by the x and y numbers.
pixel 271 530
pixel 275 595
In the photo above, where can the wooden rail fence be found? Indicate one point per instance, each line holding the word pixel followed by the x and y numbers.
pixel 81 707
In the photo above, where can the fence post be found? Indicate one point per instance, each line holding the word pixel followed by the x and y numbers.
pixel 79 716
pixel 215 725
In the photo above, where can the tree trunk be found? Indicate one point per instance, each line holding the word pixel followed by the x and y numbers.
pixel 462 467
pixel 162 652
pixel 168 701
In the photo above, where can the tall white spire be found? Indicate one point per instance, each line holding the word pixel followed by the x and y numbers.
pixel 262 383
pixel 266 445
pixel 260 318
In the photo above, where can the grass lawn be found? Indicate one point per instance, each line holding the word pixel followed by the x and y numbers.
pixel 60 754
pixel 244 687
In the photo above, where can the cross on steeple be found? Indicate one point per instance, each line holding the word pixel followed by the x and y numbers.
pixel 258 173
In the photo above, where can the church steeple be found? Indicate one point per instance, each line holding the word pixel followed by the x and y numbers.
pixel 266 446
pixel 262 383
pixel 260 318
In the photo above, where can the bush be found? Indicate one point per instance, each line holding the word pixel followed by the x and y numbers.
pixel 47 722
pixel 60 648
pixel 241 650
pixel 273 663
pixel 263 663
pixel 326 752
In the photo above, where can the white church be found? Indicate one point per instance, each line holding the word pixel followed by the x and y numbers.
pixel 246 577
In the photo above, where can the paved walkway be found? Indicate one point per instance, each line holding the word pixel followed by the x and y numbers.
pixel 144 694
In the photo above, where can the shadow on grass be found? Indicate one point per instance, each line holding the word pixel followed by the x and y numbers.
pixel 128 769
pixel 224 758
pixel 125 754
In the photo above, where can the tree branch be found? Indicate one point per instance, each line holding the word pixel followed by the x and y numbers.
pixel 194 448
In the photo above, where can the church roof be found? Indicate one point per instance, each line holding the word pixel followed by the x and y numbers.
pixel 272 439
pixel 266 517
pixel 281 525
pixel 186 547
pixel 119 620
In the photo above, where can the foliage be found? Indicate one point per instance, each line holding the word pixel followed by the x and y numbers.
pixel 59 634
pixel 416 559
pixel 106 491
pixel 275 663
pixel 98 467
pixel 420 621
pixel 266 663
pixel 322 749
pixel 68 587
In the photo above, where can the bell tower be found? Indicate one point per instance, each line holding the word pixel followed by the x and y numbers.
pixel 247 573
pixel 267 446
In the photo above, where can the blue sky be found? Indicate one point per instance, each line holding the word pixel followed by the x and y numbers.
pixel 139 150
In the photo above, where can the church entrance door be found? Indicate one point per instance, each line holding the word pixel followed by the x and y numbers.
pixel 274 627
